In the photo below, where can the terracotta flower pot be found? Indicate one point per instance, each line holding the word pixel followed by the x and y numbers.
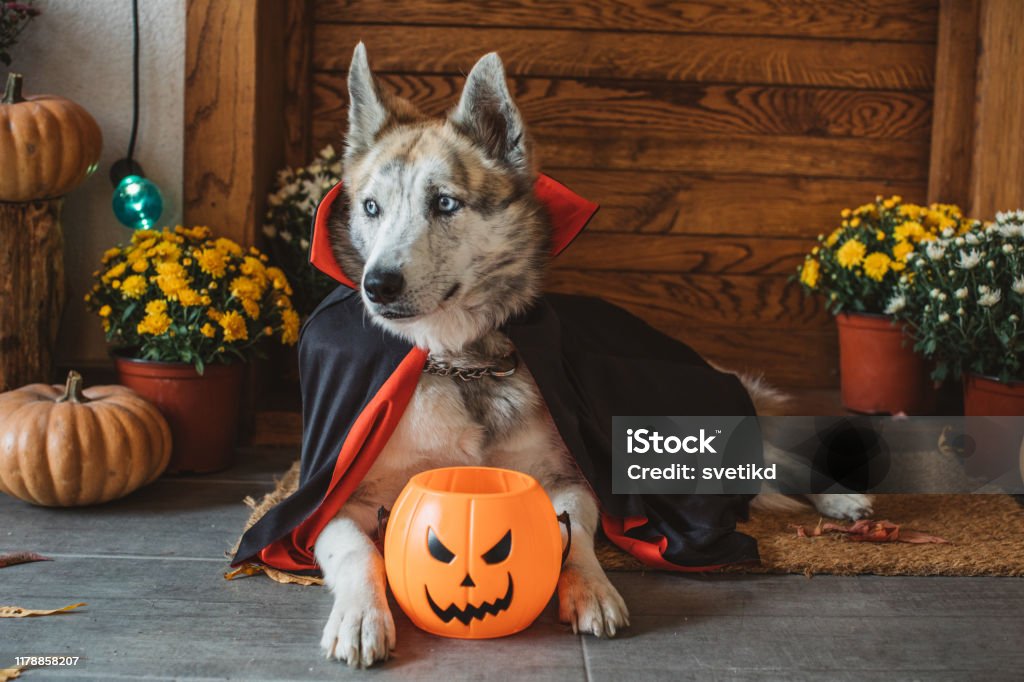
pixel 202 410
pixel 989 397
pixel 878 369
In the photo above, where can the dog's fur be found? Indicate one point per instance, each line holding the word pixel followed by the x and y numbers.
pixel 463 272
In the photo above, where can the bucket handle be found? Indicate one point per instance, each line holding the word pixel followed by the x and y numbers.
pixel 563 518
pixel 383 514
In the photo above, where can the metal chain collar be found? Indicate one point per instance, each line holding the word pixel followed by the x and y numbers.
pixel 506 368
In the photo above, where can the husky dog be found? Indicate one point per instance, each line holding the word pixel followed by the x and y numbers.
pixel 447 240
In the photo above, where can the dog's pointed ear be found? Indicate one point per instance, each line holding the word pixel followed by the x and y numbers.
pixel 488 116
pixel 367 113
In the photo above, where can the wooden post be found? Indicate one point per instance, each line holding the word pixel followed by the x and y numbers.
pixel 31 290
pixel 998 164
pixel 977 159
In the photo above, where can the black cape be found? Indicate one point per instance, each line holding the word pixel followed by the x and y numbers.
pixel 591 361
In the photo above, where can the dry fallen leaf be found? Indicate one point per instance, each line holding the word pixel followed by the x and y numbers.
pixel 18 612
pixel 246 570
pixel 21 558
pixel 867 530
pixel 10 673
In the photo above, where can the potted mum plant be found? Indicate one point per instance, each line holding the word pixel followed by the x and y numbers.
pixel 857 267
pixel 963 301
pixel 289 219
pixel 184 311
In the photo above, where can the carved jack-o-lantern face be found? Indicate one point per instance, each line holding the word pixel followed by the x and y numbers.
pixel 472 552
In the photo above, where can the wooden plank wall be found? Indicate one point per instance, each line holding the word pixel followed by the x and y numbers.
pixel 720 138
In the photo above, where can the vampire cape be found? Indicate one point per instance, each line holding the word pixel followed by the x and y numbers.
pixel 591 361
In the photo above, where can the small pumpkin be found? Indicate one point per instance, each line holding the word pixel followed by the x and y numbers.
pixel 48 144
pixel 61 446
pixel 472 552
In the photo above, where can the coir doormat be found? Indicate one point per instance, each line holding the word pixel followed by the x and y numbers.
pixel 985 535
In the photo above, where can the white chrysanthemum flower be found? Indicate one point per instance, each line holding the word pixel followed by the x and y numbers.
pixel 304 243
pixel 286 236
pixel 328 152
pixel 1011 230
pixel 275 200
pixel 896 304
pixel 1007 248
pixel 989 297
pixel 935 250
pixel 942 296
pixel 269 230
pixel 961 293
pixel 969 260
pixel 961 312
pixel 991 264
pixel 948 232
pixel 336 169
pixel 944 317
pixel 1018 285
pixel 959 241
pixel 971 238
pixel 1014 318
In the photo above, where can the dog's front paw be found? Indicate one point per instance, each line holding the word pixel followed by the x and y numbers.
pixel 360 635
pixel 589 602
pixel 850 507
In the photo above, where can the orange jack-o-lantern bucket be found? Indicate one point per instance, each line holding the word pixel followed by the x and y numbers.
pixel 473 552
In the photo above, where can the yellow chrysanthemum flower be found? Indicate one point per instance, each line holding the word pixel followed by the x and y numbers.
pixel 279 279
pixel 156 306
pixel 214 314
pixel 171 278
pixel 252 309
pixel 909 231
pixel 246 288
pixel 876 265
pixel 851 253
pixel 189 297
pixel 111 253
pixel 134 286
pixel 234 327
pixel 902 250
pixel 115 272
pixel 289 326
pixel 208 330
pixel 254 269
pixel 227 246
pixel 154 324
pixel 213 262
pixel 810 272
pixel 140 265
pixel 834 237
pixel 105 311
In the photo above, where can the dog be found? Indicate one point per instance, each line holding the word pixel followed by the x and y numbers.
pixel 448 241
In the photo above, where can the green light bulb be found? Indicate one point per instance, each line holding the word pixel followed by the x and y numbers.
pixel 137 202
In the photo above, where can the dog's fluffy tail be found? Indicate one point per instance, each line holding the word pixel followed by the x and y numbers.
pixel 768 400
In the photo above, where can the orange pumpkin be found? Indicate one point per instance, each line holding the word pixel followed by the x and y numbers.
pixel 61 446
pixel 48 145
pixel 472 552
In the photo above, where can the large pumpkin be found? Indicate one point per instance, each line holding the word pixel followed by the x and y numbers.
pixel 472 552
pixel 61 446
pixel 48 145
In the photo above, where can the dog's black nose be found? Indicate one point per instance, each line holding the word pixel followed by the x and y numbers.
pixel 383 286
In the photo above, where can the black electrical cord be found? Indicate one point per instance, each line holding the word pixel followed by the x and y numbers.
pixel 135 79
pixel 128 165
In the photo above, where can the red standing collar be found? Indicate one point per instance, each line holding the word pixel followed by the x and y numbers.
pixel 569 214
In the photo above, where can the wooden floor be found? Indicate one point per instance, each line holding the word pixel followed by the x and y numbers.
pixel 150 568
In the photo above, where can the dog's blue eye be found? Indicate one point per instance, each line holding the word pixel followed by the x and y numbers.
pixel 447 204
pixel 371 208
